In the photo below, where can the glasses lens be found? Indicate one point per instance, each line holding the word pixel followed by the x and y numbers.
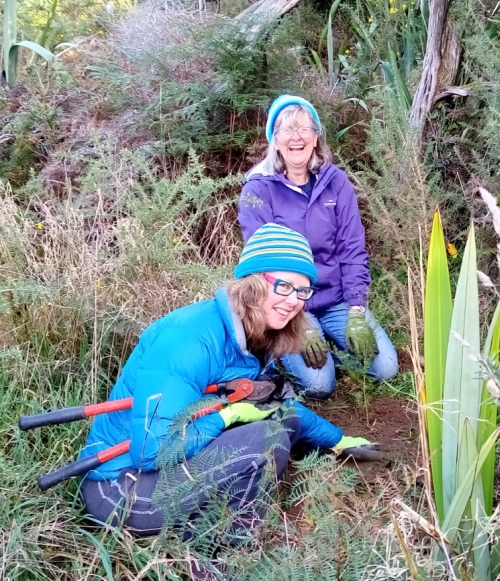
pixel 283 288
pixel 302 131
pixel 305 293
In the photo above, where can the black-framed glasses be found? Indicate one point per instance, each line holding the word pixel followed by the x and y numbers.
pixel 303 132
pixel 285 289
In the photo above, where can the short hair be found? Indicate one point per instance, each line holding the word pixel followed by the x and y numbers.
pixel 321 154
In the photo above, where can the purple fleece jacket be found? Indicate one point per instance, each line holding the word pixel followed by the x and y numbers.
pixel 330 220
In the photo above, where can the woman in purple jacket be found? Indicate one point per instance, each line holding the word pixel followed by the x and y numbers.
pixel 298 186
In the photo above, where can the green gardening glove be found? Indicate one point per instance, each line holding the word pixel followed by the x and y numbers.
pixel 315 351
pixel 359 449
pixel 350 442
pixel 245 413
pixel 360 337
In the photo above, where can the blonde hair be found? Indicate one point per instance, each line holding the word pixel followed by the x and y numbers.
pixel 247 296
pixel 321 154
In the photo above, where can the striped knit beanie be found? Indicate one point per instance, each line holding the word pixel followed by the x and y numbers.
pixel 274 247
pixel 281 103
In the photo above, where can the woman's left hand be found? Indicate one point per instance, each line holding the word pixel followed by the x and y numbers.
pixel 243 412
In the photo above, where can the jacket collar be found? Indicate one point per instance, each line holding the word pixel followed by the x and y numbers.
pixel 231 321
pixel 263 170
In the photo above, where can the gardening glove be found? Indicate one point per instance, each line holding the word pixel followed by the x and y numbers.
pixel 245 413
pixel 360 337
pixel 315 351
pixel 359 449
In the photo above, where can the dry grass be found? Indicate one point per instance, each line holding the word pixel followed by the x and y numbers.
pixel 72 270
pixel 155 29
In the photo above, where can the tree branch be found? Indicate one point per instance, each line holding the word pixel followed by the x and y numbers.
pixel 270 7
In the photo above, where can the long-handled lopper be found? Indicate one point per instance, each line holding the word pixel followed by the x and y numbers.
pixel 244 389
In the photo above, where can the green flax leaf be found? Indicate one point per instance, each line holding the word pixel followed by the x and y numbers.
pixel 463 386
pixel 437 322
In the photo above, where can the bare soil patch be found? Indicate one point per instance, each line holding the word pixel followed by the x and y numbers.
pixel 385 420
pixel 404 360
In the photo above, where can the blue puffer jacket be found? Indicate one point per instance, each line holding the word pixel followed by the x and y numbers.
pixel 177 357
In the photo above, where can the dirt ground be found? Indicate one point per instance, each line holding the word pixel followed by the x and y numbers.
pixel 386 420
pixel 404 360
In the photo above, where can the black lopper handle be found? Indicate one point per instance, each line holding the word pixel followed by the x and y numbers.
pixel 62 416
pixel 77 468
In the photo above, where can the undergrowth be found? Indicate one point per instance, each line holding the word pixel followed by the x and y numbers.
pixel 114 213
pixel 312 530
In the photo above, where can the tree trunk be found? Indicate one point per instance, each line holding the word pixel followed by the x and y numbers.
pixel 451 51
pixel 424 97
pixel 266 9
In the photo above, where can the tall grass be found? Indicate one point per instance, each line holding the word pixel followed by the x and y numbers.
pixel 76 289
pixel 126 258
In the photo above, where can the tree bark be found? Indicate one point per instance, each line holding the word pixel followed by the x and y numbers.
pixel 266 9
pixel 451 51
pixel 424 96
pixel 271 7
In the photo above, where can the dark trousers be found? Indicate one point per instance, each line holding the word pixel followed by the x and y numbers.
pixel 244 452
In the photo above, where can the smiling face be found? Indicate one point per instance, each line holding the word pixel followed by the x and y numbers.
pixel 296 150
pixel 280 310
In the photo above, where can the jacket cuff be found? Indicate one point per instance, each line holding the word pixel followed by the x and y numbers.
pixel 356 302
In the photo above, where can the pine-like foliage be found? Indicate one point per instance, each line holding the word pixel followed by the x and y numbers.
pixel 194 494
pixel 319 543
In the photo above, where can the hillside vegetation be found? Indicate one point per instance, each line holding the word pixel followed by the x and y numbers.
pixel 120 167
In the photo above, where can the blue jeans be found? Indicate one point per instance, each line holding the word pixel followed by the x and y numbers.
pixel 332 323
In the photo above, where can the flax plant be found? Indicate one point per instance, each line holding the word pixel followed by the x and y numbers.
pixel 327 33
pixel 11 47
pixel 459 419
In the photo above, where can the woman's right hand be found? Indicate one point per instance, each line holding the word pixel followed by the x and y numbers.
pixel 316 350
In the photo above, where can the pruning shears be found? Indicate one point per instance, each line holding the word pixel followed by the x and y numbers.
pixel 244 389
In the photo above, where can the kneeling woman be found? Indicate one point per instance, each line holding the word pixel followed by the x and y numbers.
pixel 251 321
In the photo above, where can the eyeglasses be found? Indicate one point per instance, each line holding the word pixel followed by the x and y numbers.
pixel 302 131
pixel 285 289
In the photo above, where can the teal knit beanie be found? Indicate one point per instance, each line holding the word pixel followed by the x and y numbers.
pixel 274 247
pixel 281 103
